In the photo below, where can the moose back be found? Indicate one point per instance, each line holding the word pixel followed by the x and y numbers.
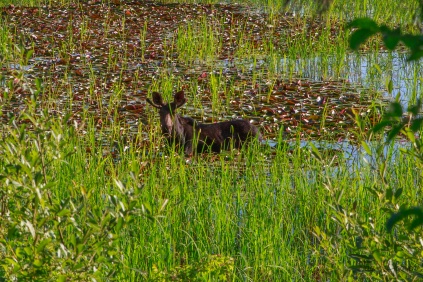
pixel 213 136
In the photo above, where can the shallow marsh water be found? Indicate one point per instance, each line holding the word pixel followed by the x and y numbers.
pixel 101 62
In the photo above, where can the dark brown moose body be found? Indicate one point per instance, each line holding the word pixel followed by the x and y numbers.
pixel 213 136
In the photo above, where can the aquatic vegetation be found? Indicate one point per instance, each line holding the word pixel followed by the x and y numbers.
pixel 88 191
pixel 92 61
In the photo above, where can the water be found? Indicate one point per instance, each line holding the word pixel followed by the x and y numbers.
pixel 106 76
pixel 370 71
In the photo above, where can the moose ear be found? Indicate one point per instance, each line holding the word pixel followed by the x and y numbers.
pixel 179 99
pixel 157 99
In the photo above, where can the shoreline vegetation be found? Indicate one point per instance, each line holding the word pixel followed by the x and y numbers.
pixel 90 191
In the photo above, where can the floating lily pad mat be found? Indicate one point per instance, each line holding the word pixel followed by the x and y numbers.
pixel 103 60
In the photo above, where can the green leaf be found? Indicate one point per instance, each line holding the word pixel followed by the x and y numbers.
pixel 64 212
pixel 146 208
pixel 401 215
pixel 28 56
pixel 416 223
pixel 13 233
pixel 114 200
pixel 366 148
pixel 42 244
pixel 317 230
pixel 12 262
pixel 391 38
pixel 377 256
pixel 381 125
pixel 416 124
pixel 37 263
pixel 389 194
pixel 398 193
pixel 415 55
pixel 365 23
pixel 390 86
pixel 415 109
pixel 394 132
pixel 38 83
pixel 391 42
pixel 395 109
pixel 72 240
pixel 315 151
pixel 79 248
pixel 20 253
pixel 49 185
pixel 38 177
pixel 414 42
pixel 398 97
pixel 119 224
pixel 28 251
pixel 77 266
pixel 359 37
pixel 410 135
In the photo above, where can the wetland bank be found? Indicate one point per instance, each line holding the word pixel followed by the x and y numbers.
pixel 89 191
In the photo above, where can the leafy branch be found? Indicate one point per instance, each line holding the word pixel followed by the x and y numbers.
pixel 366 28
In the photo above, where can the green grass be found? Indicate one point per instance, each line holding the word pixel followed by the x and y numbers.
pixel 260 211
pixel 82 194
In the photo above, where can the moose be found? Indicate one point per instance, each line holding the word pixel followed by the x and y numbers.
pixel 214 136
